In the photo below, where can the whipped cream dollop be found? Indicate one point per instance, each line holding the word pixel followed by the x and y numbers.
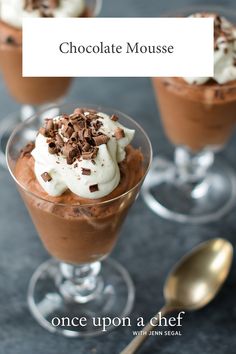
pixel 224 52
pixel 80 158
pixel 13 11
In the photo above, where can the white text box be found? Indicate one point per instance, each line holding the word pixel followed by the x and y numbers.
pixel 108 47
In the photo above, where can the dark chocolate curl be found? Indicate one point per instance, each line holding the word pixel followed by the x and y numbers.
pixel 86 171
pixel 46 177
pixel 93 188
pixel 119 133
pixel 114 118
pixel 52 148
pixel 75 136
pixel 101 139
pixel 59 140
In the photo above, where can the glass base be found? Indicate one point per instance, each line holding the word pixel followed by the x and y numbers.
pixel 184 202
pixel 61 314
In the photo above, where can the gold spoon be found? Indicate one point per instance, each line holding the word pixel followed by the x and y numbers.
pixel 192 283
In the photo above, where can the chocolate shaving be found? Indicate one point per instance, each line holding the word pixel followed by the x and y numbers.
pixel 86 171
pixel 88 133
pixel 69 161
pixel 119 133
pixel 59 140
pixel 81 124
pixel 42 131
pixel 45 7
pixel 65 121
pixel 68 151
pixel 78 111
pixel 81 134
pixel 76 136
pixel 93 116
pixel 94 153
pixel 53 4
pixel 68 132
pixel 87 155
pixel 114 118
pixel 93 188
pixel 90 110
pixel 74 117
pixel 49 128
pixel 86 147
pixel 31 5
pixel 97 125
pixel 74 152
pixel 46 177
pixel 101 139
pixel 52 148
pixel 49 124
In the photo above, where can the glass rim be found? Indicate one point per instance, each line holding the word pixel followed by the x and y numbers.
pixel 97 8
pixel 85 205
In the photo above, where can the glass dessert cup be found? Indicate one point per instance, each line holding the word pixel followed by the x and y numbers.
pixel 34 93
pixel 79 281
pixel 198 120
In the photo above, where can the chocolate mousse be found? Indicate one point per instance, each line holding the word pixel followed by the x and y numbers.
pixel 31 90
pixel 200 112
pixel 79 178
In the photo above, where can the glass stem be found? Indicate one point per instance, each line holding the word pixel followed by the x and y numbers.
pixel 192 168
pixel 27 111
pixel 80 283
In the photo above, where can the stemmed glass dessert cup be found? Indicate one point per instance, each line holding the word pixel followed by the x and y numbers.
pixel 198 120
pixel 33 93
pixel 80 280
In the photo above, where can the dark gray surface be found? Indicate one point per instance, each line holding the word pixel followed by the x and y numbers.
pixel 148 245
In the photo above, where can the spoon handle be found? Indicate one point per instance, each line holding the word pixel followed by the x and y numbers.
pixel 136 343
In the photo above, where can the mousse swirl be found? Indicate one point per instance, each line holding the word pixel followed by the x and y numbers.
pixel 13 11
pixel 224 51
pixel 80 152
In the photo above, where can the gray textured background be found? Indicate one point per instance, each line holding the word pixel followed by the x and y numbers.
pixel 148 246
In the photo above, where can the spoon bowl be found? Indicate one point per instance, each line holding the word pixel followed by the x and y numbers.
pixel 198 277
